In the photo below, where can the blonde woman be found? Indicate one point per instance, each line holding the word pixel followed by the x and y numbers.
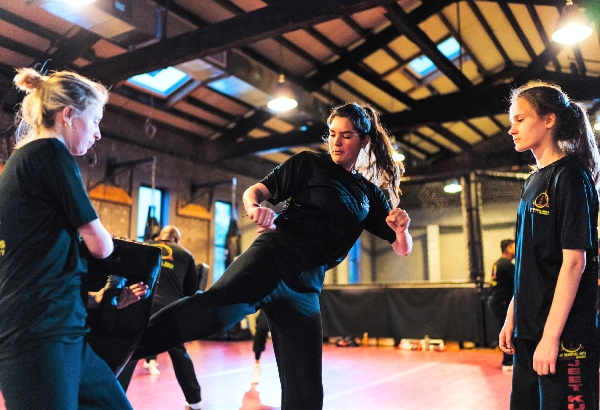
pixel 45 362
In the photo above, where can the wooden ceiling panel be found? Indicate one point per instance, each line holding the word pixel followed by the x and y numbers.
pixel 404 48
pixel 278 125
pixel 415 140
pixel 526 23
pixel 310 45
pixel 14 59
pixel 435 29
pixel 81 62
pixel 474 36
pixel 208 10
pixel 565 58
pixel 434 136
pixel 156 115
pixel 471 71
pixel 107 49
pixel 590 50
pixel 463 131
pixel 258 133
pixel 400 81
pixel 503 119
pixel 37 15
pixel 292 62
pixel 341 92
pixel 549 16
pixel 371 19
pixel 444 85
pixel 377 95
pixel 23 36
pixel 412 152
pixel 275 157
pixel 225 104
pixel 380 61
pixel 338 32
pixel 249 5
pixel 420 93
pixel 486 125
pixel 207 116
pixel 507 37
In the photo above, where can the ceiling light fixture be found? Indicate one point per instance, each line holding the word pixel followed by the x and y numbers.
pixel 452 187
pixel 572 26
pixel 284 97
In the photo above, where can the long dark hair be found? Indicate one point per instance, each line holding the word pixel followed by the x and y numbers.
pixel 572 132
pixel 377 163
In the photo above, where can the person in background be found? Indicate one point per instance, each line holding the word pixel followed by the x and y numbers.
pixel 178 278
pixel 259 343
pixel 330 199
pixel 45 361
pixel 503 276
pixel 551 325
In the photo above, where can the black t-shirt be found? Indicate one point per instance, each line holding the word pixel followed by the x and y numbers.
pixel 503 279
pixel 326 210
pixel 42 203
pixel 177 274
pixel 558 210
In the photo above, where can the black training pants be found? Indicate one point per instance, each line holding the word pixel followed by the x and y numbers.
pixel 248 284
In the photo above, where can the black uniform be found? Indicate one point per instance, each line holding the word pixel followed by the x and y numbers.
pixel 283 271
pixel 558 210
pixel 44 361
pixel 503 277
pixel 178 278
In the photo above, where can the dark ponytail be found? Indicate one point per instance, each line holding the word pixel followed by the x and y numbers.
pixel 376 162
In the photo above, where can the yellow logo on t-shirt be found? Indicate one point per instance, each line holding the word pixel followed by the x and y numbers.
pixel 2 248
pixel 541 204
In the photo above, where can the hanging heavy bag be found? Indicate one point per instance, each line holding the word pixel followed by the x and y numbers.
pixel 115 333
pixel 152 224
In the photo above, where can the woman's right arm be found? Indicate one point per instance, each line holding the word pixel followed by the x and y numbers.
pixel 97 239
pixel 263 217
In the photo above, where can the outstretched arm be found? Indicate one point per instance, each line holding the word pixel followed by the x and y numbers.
pixel 263 217
pixel 399 221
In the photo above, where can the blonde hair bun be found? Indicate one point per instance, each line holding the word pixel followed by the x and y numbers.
pixel 28 80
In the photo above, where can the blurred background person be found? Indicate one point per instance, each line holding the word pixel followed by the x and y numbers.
pixel 178 278
pixel 503 278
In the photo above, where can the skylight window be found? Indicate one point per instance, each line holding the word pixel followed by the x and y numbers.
pixel 423 65
pixel 162 82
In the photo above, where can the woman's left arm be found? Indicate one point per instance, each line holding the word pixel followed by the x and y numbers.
pixel 569 276
pixel 399 221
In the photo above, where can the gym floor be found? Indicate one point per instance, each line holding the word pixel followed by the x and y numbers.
pixel 369 378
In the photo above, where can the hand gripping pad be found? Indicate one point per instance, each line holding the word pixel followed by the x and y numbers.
pixel 136 262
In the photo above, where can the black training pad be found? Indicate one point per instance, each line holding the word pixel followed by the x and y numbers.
pixel 115 334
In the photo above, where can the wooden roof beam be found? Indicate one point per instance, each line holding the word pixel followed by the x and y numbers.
pixel 372 43
pixel 413 32
pixel 248 28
